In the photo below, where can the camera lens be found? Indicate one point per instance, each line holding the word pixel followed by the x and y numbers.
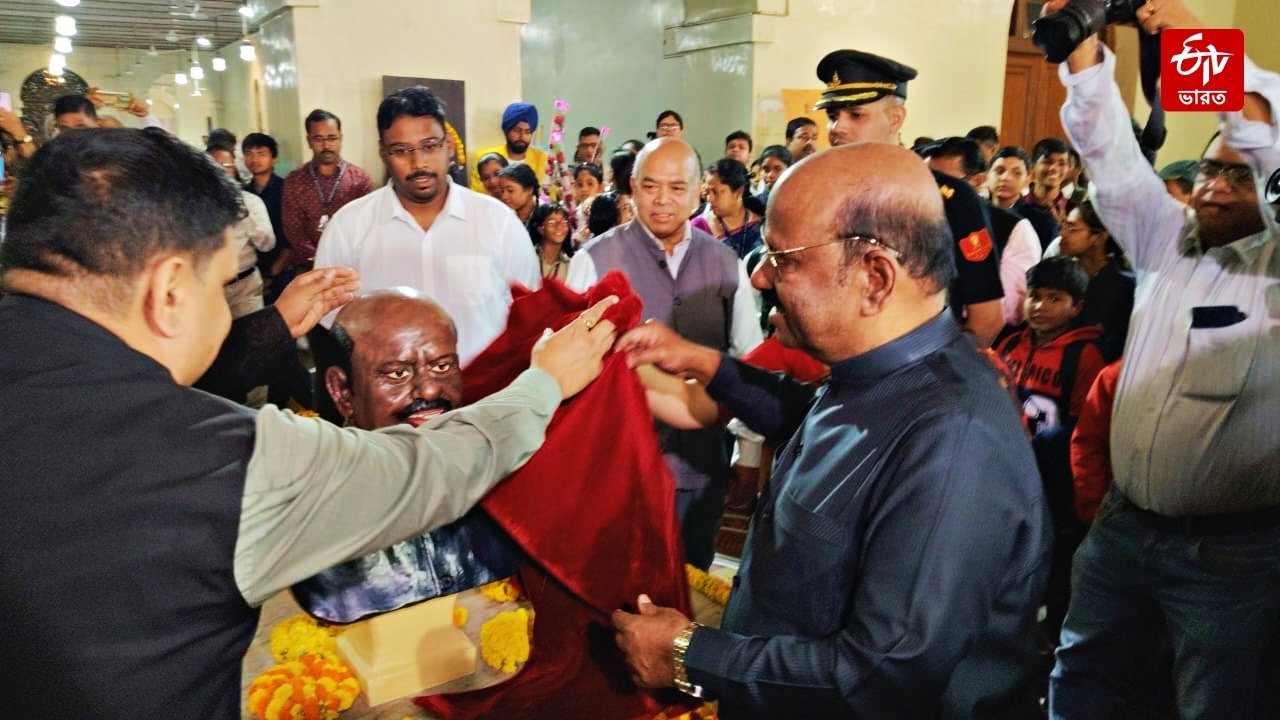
pixel 1061 32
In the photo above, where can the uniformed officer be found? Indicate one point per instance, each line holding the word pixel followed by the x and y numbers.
pixel 865 102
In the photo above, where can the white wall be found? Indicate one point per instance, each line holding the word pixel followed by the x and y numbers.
pixel 345 48
pixel 958 47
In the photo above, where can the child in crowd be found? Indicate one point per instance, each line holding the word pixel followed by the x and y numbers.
pixel 1053 367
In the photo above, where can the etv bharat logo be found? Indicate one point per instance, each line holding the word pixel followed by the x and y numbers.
pixel 1202 70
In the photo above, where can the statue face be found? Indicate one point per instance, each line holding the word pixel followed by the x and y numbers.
pixel 404 366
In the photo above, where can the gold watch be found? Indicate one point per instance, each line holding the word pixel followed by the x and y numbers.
pixel 681 646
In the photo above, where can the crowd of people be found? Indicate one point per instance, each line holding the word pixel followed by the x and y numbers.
pixel 1005 419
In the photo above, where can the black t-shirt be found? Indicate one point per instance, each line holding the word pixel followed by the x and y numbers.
pixel 977 260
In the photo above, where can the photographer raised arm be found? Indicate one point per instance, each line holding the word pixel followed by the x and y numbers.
pixel 1195 451
pixel 1129 195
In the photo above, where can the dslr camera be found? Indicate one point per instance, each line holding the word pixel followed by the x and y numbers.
pixel 1061 32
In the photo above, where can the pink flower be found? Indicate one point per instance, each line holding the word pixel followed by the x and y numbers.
pixel 556 136
pixel 604 131
pixel 561 105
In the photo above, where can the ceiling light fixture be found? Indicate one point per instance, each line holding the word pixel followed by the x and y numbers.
pixel 65 25
pixel 219 64
pixel 203 41
pixel 62 44
pixel 244 10
pixel 68 3
pixel 247 53
pixel 180 78
pixel 176 106
pixel 57 63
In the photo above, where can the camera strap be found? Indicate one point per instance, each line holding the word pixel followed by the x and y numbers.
pixel 1153 134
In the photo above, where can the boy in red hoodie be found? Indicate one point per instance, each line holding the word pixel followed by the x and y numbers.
pixel 1053 367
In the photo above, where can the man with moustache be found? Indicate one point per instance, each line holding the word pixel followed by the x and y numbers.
pixel 802 138
pixel 422 231
pixel 519 122
pixel 394 360
pixel 897 556
pixel 865 101
pixel 1190 531
pixel 315 192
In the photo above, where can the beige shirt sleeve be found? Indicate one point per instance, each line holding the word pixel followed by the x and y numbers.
pixel 316 494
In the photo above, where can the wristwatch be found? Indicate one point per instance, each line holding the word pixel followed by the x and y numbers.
pixel 681 647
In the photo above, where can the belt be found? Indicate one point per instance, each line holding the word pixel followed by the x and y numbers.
pixel 1267 518
pixel 244 274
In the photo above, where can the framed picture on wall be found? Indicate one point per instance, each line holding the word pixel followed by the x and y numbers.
pixel 454 95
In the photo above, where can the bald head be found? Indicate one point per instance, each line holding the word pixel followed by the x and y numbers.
pixel 401 361
pixel 877 190
pixel 664 186
pixel 870 251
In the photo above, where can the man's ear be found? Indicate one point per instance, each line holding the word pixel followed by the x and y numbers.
pixel 1076 307
pixel 897 116
pixel 881 276
pixel 166 295
pixel 339 388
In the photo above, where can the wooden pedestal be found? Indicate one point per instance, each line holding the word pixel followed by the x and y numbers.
pixel 406 651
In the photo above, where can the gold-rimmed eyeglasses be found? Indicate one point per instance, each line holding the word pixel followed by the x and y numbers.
pixel 773 255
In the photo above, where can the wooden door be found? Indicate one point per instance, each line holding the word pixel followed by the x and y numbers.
pixel 1033 98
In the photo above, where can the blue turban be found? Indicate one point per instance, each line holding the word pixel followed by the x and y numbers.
pixel 517 113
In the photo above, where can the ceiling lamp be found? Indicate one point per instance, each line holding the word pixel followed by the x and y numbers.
pixel 62 44
pixel 57 63
pixel 247 53
pixel 148 101
pixel 65 25
pixel 68 3
pixel 203 41
pixel 176 106
pixel 180 78
pixel 197 72
pixel 219 64
pixel 244 10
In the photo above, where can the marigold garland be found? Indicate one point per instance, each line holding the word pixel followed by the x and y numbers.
pixel 501 591
pixel 302 635
pixel 706 712
pixel 714 588
pixel 504 639
pixel 309 688
pixel 458 147
pixel 459 616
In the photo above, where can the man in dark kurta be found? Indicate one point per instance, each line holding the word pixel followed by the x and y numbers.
pixel 895 563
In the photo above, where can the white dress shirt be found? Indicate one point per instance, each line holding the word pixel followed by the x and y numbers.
pixel 466 260
pixel 1019 255
pixel 1196 424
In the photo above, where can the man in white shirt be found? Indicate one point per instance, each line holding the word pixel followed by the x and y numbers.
pixel 460 248
pixel 1190 531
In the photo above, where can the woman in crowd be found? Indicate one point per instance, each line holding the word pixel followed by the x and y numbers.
pixel 549 228
pixel 602 213
pixel 488 166
pixel 588 181
pixel 519 190
pixel 621 164
pixel 731 215
pixel 773 160
pixel 1108 301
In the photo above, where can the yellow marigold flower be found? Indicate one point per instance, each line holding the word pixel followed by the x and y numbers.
pixel 504 639
pixel 501 591
pixel 712 587
pixel 310 688
pixel 459 616
pixel 301 635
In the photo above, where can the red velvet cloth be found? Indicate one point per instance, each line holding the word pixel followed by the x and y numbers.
pixel 594 511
